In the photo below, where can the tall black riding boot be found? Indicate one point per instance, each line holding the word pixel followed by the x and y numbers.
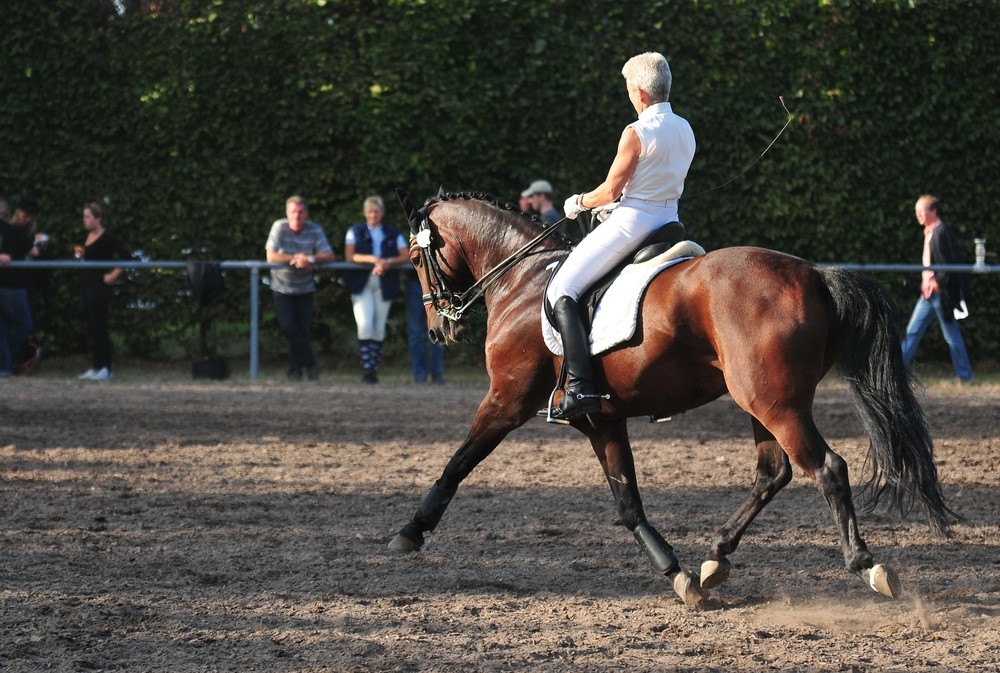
pixel 581 396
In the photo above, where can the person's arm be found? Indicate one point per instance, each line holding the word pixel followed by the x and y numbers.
pixel 278 257
pixel 619 174
pixel 273 252
pixel 323 252
pixel 16 242
pixel 351 256
pixel 305 261
pixel 946 249
pixel 384 264
pixel 19 243
pixel 358 258
pixel 120 251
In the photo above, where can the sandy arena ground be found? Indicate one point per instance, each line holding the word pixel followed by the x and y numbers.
pixel 190 526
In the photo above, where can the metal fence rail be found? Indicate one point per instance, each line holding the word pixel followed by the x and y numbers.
pixel 255 267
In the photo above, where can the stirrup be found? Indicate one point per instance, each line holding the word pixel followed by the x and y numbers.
pixel 549 418
pixel 561 420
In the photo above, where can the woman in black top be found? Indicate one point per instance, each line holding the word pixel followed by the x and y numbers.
pixel 99 244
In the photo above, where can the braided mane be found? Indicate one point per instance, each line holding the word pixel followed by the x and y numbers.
pixel 496 202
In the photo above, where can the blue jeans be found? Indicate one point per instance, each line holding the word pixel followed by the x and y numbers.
pixel 426 358
pixel 15 325
pixel 923 313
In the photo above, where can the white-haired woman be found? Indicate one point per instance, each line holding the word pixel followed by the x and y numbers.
pixel 648 172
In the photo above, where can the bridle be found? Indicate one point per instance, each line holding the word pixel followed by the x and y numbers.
pixel 450 304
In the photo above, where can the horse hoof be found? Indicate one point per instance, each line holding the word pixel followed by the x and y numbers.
pixel 884 580
pixel 403 544
pixel 686 586
pixel 714 573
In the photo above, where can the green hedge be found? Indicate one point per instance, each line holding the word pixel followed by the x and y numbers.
pixel 195 120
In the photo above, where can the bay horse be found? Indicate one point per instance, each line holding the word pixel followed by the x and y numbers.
pixel 762 326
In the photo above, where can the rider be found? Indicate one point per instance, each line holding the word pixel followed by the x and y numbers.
pixel 653 158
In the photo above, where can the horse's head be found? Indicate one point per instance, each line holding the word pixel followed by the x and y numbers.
pixel 461 245
pixel 443 276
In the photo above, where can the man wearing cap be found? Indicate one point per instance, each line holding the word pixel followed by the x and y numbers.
pixel 539 195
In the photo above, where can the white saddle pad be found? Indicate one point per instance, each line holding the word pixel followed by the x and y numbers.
pixel 618 310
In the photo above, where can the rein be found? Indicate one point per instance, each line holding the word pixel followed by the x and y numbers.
pixel 454 306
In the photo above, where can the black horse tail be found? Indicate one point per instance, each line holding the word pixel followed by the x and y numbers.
pixel 900 461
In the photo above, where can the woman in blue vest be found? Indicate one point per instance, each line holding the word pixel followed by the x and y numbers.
pixel 372 290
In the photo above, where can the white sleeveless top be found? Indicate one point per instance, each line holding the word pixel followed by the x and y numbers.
pixel 667 150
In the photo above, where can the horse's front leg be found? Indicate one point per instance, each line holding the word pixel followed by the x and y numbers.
pixel 476 447
pixel 611 444
pixel 494 420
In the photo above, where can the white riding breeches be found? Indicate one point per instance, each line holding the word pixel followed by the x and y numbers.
pixel 371 311
pixel 612 241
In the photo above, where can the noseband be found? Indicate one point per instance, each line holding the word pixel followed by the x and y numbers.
pixel 454 305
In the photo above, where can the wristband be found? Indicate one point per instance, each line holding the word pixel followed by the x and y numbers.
pixel 311 259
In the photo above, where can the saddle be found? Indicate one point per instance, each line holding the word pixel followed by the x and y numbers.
pixel 655 244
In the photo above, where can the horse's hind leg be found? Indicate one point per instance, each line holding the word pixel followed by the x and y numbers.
pixel 807 449
pixel 611 444
pixel 773 473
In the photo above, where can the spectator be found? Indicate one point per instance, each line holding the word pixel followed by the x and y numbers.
pixel 25 214
pixel 15 315
pixel 539 196
pixel 97 288
pixel 6 212
pixel 426 358
pixel 942 293
pixel 301 245
pixel 372 290
pixel 524 203
pixel 39 280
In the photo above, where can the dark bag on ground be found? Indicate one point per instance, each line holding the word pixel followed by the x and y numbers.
pixel 207 285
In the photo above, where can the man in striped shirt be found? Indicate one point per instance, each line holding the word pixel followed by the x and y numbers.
pixel 301 246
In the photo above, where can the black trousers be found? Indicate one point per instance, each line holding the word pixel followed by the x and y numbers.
pixel 295 315
pixel 96 308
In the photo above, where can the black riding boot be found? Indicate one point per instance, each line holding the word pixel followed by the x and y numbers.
pixel 581 396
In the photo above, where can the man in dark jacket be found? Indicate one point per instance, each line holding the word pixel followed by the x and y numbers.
pixel 942 293
pixel 15 314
